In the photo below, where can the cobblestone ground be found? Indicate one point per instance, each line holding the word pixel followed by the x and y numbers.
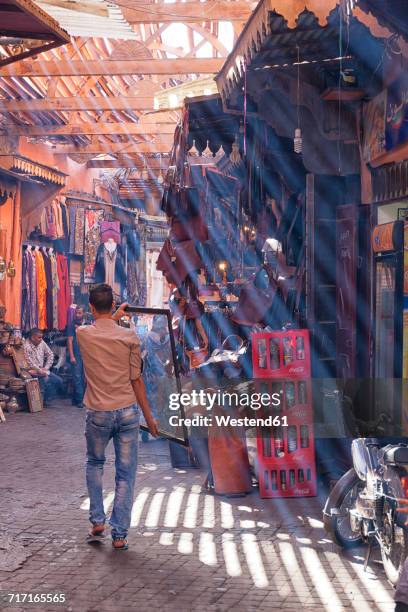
pixel 188 550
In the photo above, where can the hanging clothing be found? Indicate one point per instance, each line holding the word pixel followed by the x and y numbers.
pixel 26 296
pixel 64 291
pixel 132 284
pixel 57 212
pixel 34 292
pixel 93 219
pixel 110 229
pixel 79 231
pixel 10 248
pixel 55 290
pixel 49 294
pixel 72 230
pixel 41 290
pixel 110 266
pixel 133 245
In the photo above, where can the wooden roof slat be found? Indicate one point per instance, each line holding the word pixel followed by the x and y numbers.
pixel 186 12
pixel 111 67
pixel 88 128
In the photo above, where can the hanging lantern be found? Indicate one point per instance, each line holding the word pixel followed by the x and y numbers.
pixel 207 151
pixel 11 270
pixel 220 153
pixel 194 152
pixel 235 155
pixel 297 141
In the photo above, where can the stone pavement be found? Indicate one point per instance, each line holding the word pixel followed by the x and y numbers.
pixel 188 550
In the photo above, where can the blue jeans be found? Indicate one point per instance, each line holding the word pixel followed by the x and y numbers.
pixel 51 386
pixel 123 427
pixel 78 379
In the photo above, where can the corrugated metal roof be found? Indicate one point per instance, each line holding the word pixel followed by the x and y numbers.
pixel 78 21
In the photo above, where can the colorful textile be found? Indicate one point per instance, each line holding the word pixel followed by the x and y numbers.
pixel 110 265
pixel 49 293
pixel 55 288
pixel 34 292
pixel 41 290
pixel 93 219
pixel 10 249
pixel 26 322
pixel 72 217
pixel 57 212
pixel 64 291
pixel 75 272
pixel 79 231
pixel 131 283
pixel 110 229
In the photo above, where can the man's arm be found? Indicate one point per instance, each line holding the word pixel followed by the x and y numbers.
pixel 49 357
pixel 141 398
pixel 70 344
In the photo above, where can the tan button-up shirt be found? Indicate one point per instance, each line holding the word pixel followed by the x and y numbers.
pixel 112 359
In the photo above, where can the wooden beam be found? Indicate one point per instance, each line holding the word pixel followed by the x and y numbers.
pixel 161 145
pixel 127 162
pixel 76 104
pixel 113 68
pixel 80 129
pixel 187 12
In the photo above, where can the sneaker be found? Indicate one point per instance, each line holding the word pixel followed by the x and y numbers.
pixel 97 534
pixel 120 544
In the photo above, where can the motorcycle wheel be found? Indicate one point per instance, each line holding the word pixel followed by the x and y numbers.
pixel 394 545
pixel 342 531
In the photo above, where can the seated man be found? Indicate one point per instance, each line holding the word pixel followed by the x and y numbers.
pixel 40 359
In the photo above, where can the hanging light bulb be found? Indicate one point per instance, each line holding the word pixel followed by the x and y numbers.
pixel 194 152
pixel 235 155
pixel 297 141
pixel 207 151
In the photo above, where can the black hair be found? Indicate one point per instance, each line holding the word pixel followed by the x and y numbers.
pixel 34 331
pixel 101 298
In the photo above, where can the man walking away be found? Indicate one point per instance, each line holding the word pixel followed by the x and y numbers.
pixel 77 366
pixel 40 359
pixel 113 368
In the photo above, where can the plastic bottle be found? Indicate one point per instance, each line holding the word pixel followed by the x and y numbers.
pixel 274 354
pixel 304 436
pixel 292 439
pixel 287 351
pixel 300 348
pixel 261 354
pixel 302 392
pixel 290 394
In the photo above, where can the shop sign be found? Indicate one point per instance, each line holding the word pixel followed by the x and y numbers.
pixel 387 237
pixel 396 120
pixel 385 120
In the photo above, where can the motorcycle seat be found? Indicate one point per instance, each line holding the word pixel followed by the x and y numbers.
pixel 396 455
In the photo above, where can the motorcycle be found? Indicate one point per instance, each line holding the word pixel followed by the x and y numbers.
pixel 362 507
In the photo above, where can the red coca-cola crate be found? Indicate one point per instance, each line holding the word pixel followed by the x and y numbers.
pixel 281 354
pixel 286 454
